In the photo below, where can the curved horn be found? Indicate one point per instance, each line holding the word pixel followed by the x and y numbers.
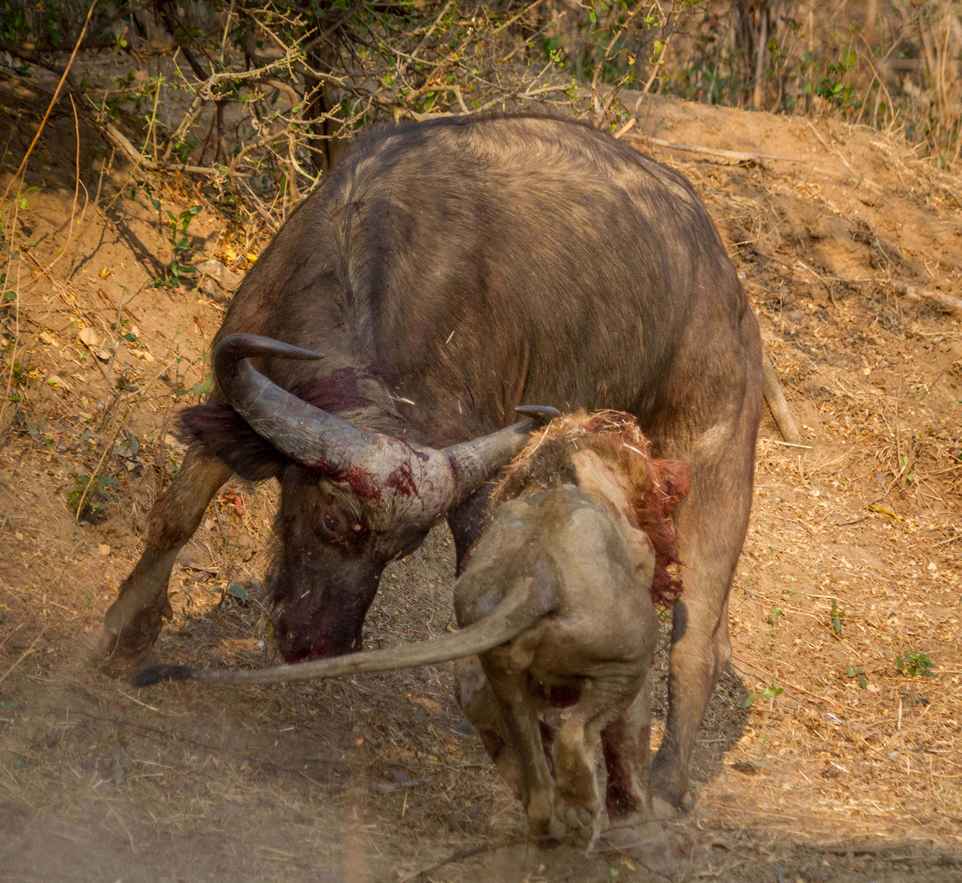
pixel 303 432
pixel 476 460
pixel 424 482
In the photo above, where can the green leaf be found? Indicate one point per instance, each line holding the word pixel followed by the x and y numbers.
pixel 837 616
pixel 915 665
pixel 241 593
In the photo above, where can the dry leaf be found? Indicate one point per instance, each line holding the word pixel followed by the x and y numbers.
pixel 884 510
pixel 104 272
pixel 89 337
pixel 47 338
pixel 57 382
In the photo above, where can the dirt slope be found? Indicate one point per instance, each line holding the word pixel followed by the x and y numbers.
pixel 819 761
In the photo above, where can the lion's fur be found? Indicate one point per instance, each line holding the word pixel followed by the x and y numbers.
pixel 656 486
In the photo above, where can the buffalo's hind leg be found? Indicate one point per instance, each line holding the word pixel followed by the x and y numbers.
pixel 711 530
pixel 134 620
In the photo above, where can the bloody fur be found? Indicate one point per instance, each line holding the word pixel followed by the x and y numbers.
pixel 657 486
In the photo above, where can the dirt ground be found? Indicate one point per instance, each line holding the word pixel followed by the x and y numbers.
pixel 819 760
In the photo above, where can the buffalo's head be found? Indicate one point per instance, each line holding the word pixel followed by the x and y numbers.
pixel 352 500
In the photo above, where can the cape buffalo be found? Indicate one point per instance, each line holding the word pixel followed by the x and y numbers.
pixel 558 596
pixel 446 271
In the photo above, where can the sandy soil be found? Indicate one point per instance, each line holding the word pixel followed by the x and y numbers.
pixel 819 760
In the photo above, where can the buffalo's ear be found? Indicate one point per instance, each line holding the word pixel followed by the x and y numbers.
pixel 224 434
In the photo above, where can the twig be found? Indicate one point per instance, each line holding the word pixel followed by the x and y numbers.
pixel 16 628
pixel 626 128
pixel 735 155
pixel 76 187
pixel 59 287
pixel 137 158
pixel 657 66
pixel 138 701
pixel 460 856
pixel 859 177
pixel 93 475
pixel 775 396
pixel 12 356
pixel 53 100
pixel 21 657
pixel 952 303
pixel 506 24
pixel 103 371
pixel 599 67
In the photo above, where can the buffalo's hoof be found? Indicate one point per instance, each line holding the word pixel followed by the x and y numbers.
pixel 126 640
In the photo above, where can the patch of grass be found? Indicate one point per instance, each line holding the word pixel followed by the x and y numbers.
pixel 915 665
pixel 769 694
pixel 92 506
pixel 858 673
pixel 180 270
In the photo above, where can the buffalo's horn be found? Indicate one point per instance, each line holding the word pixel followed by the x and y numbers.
pixel 474 461
pixel 305 433
pixel 315 438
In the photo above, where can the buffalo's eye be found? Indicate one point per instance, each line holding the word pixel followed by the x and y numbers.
pixel 330 524
pixel 334 527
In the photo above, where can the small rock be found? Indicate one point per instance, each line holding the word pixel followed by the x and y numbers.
pixel 222 276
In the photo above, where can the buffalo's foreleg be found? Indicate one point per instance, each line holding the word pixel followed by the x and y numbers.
pixel 711 529
pixel 133 621
pixel 467 522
